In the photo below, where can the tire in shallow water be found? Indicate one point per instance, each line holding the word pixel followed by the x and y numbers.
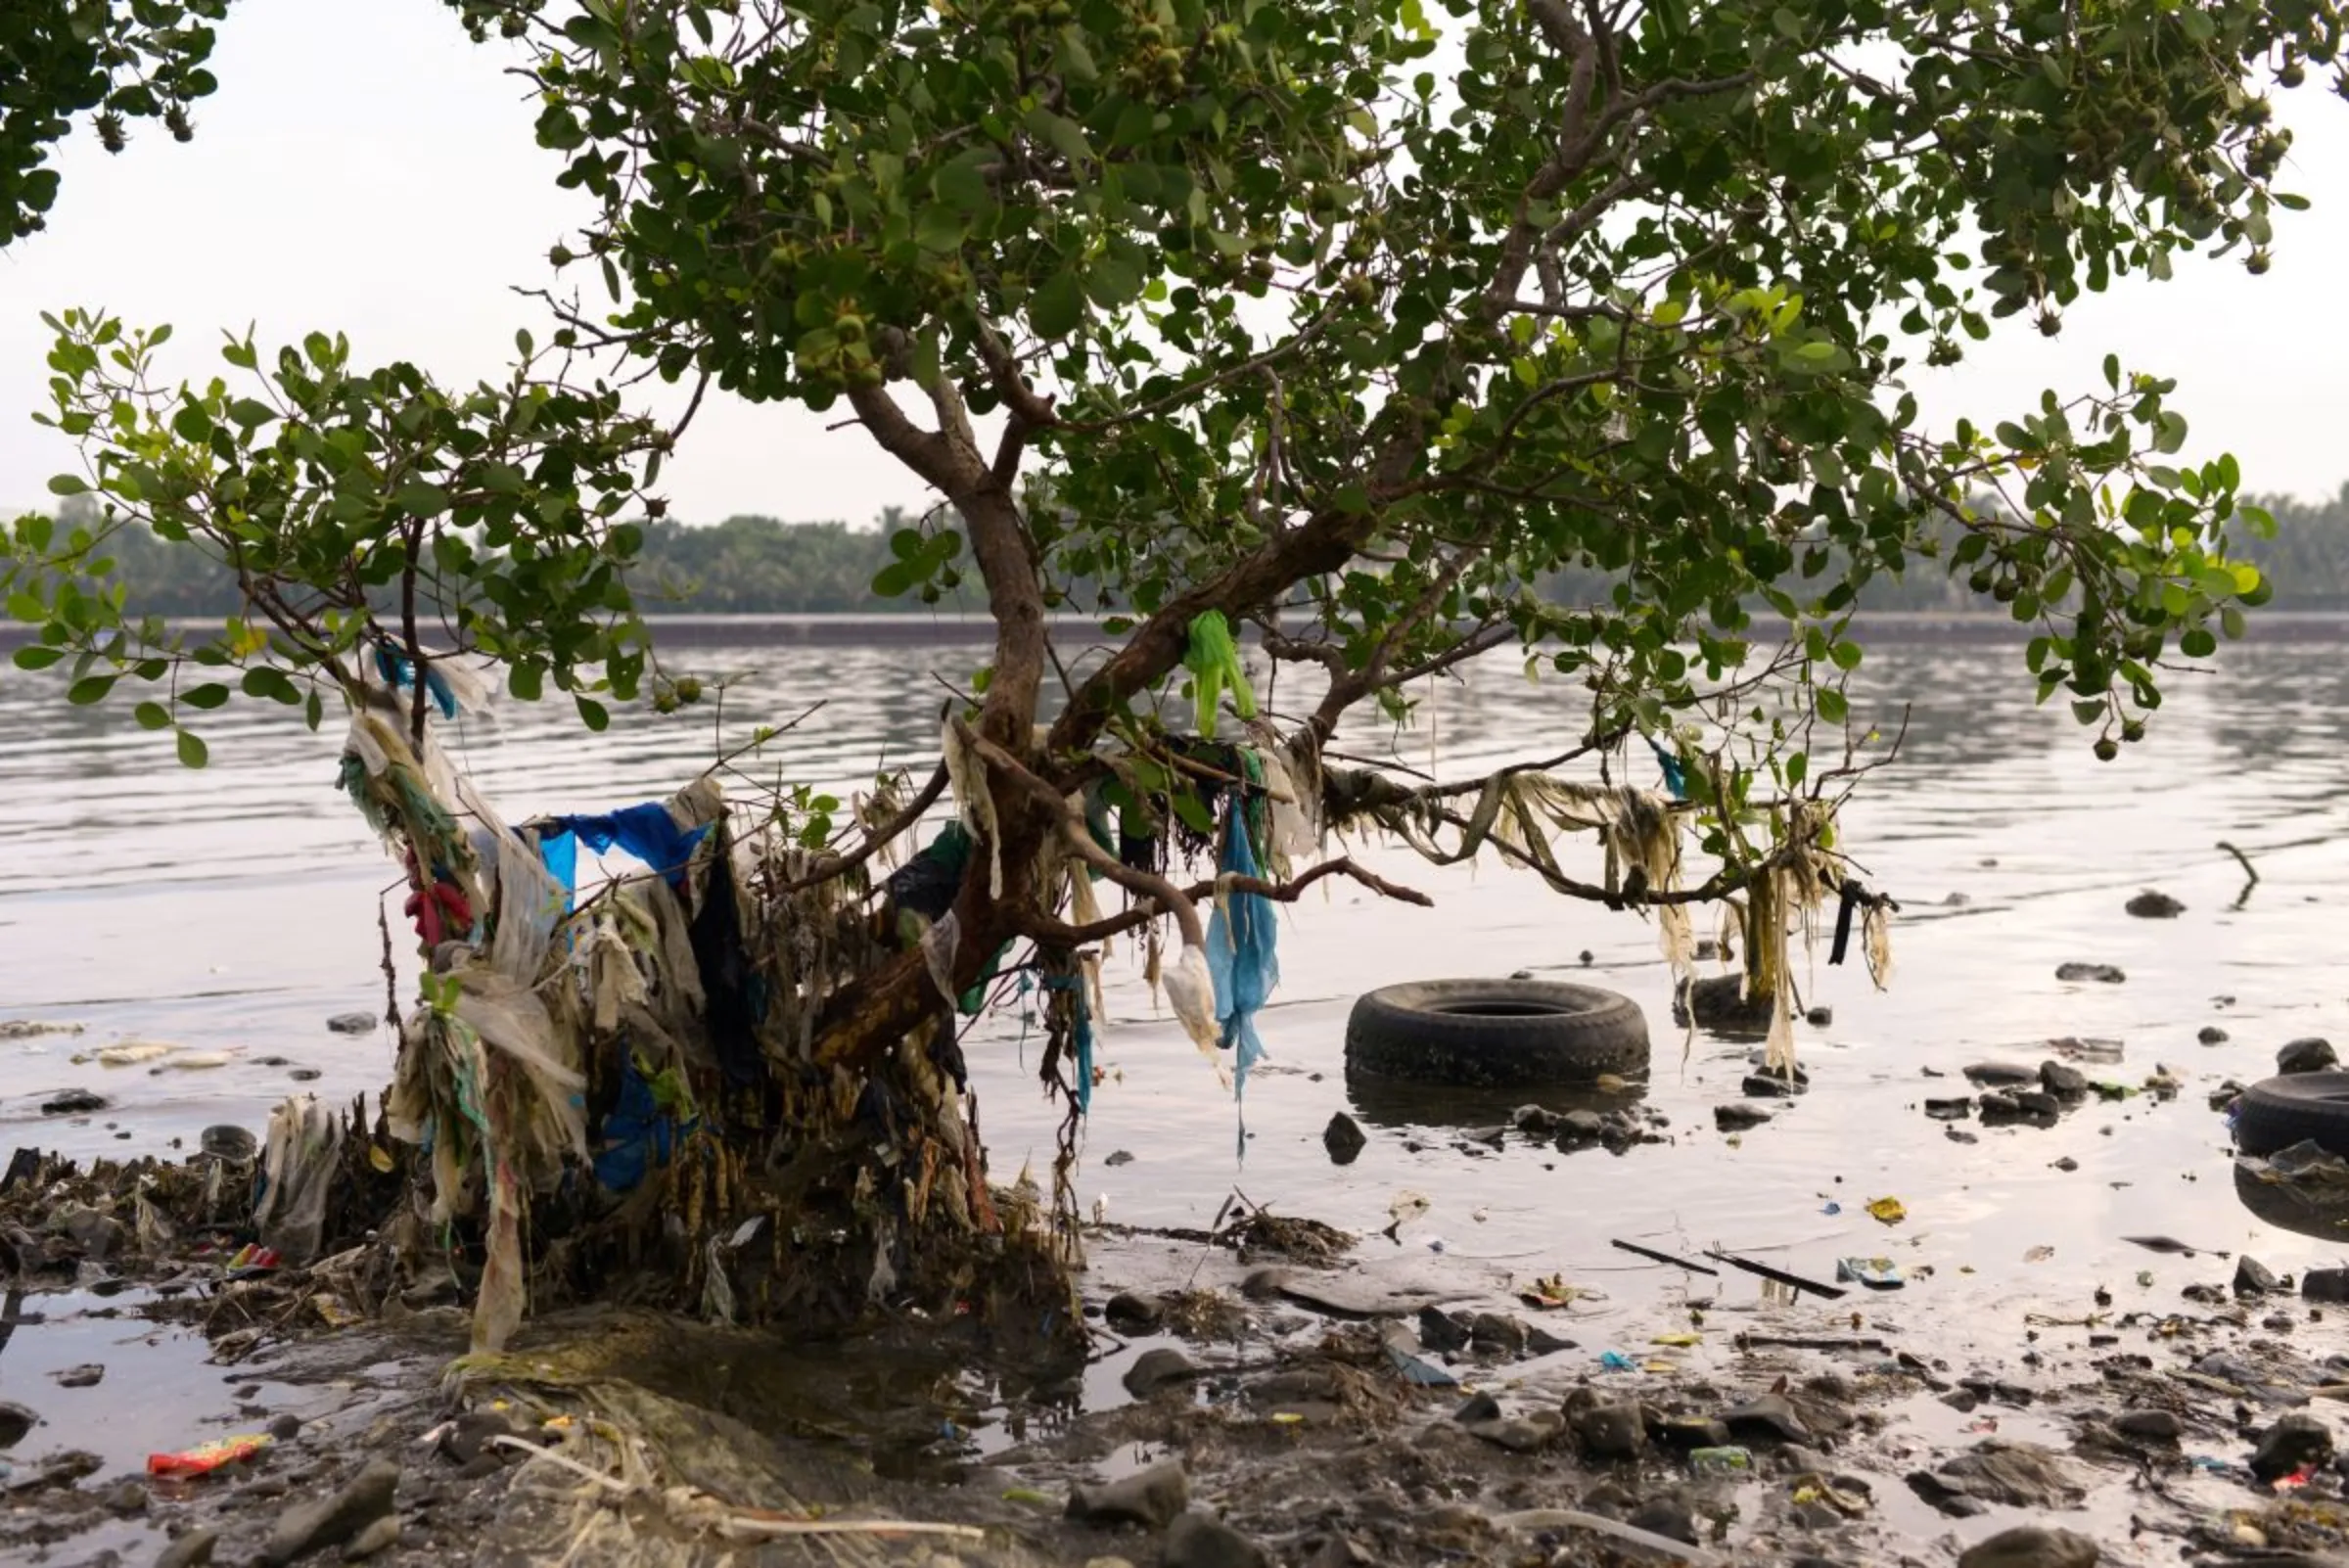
pixel 2277 1113
pixel 1495 1034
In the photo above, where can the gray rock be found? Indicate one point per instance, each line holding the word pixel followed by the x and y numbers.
pixel 2149 1427
pixel 380 1535
pixel 2212 1035
pixel 1439 1330
pixel 2297 1442
pixel 1577 1128
pixel 1773 1086
pixel 1157 1367
pixel 474 1434
pixel 1150 1497
pixel 72 1103
pixel 2031 1546
pixel 1130 1312
pixel 228 1142
pixel 1201 1541
pixel 88 1375
pixel 1690 1432
pixel 1668 1517
pixel 1819 1017
pixel 1490 1331
pixel 351 1023
pixel 1343 1138
pixel 2325 1284
pixel 2019 1475
pixel 2310 1055
pixel 1772 1418
pixel 286 1428
pixel 2152 905
pixel 1520 1434
pixel 1739 1117
pixel 334 1520
pixel 1117 1157
pixel 2100 974
pixel 1610 1430
pixel 2000 1075
pixel 2253 1278
pixel 2063 1080
pixel 1478 1407
pixel 1539 1341
pixel 126 1498
pixel 16 1420
pixel 194 1550
pixel 1956 1109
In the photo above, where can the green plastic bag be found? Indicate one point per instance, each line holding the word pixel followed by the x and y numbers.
pixel 1214 661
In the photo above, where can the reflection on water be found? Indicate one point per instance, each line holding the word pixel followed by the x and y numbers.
pixel 236 910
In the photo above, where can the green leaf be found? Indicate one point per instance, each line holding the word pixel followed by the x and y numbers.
pixel 90 689
pixel 2197 643
pixel 594 714
pixel 1058 307
pixel 251 415
pixel 1846 655
pixel 262 680
pixel 1832 706
pixel 69 485
pixel 527 680
pixel 209 695
pixel 1193 811
pixel 894 580
pixel 152 715
pixel 192 753
pixel 37 658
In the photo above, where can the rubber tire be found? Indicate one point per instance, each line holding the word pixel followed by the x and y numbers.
pixel 1437 1031
pixel 2277 1113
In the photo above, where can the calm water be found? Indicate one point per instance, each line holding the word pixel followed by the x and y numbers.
pixel 235 911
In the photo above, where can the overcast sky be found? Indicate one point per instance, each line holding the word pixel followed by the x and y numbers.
pixel 366 168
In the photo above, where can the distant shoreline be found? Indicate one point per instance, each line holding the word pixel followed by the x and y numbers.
pixel 1897 628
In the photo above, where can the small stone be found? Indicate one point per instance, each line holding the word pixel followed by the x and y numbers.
pixel 1535 1121
pixel 2067 1165
pixel 2310 1055
pixel 1150 1497
pixel 72 1103
pixel 16 1420
pixel 1131 1313
pixel 1610 1430
pixel 304 1075
pixel 377 1537
pixel 2149 1427
pixel 1116 1157
pixel 194 1550
pixel 286 1428
pixel 1490 1331
pixel 2000 1075
pixel 1667 1517
pixel 1478 1407
pixel 2063 1080
pixel 1343 1138
pixel 1950 1110
pixel 1519 1434
pixel 1577 1128
pixel 2325 1284
pixel 339 1517
pixel 1201 1541
pixel 351 1023
pixel 2152 905
pixel 1157 1367
pixel 1739 1117
pixel 229 1142
pixel 1690 1432
pixel 2297 1441
pixel 2031 1546
pixel 1539 1341
pixel 473 1435
pixel 2212 1035
pixel 126 1498
pixel 2100 974
pixel 87 1375
pixel 1772 1087
pixel 1819 1017
pixel 1770 1418
pixel 1439 1330
pixel 2253 1278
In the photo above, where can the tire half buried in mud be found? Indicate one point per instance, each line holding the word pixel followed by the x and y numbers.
pixel 1495 1034
pixel 2277 1113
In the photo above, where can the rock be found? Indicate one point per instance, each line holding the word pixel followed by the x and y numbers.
pixel 1343 1138
pixel 304 1075
pixel 377 1537
pixel 1690 1432
pixel 1519 1434
pixel 286 1428
pixel 351 1023
pixel 2008 1107
pixel 2100 974
pixel 1667 1517
pixel 2018 1475
pixel 72 1103
pixel 1610 1430
pixel 1739 1117
pixel 1201 1541
pixel 1535 1121
pixel 2325 1284
pixel 1131 1313
pixel 2149 1427
pixel 333 1520
pixel 1539 1341
pixel 2031 1546
pixel 193 1549
pixel 2297 1442
pixel 2310 1055
pixel 2152 905
pixel 229 1142
pixel 16 1420
pixel 1577 1128
pixel 2063 1080
pixel 2212 1035
pixel 2253 1278
pixel 1772 1418
pixel 1950 1110
pixel 2067 1165
pixel 1150 1497
pixel 1773 1086
pixel 87 1375
pixel 1439 1330
pixel 1819 1017
pixel 1479 1408
pixel 1117 1157
pixel 126 1498
pixel 473 1434
pixel 1157 1367
pixel 1999 1075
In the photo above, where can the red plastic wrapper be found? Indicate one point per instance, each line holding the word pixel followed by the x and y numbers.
pixel 206 1457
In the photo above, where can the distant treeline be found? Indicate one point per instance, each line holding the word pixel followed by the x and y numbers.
pixel 761 565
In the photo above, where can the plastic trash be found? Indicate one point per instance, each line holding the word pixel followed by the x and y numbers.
pixel 1721 1461
pixel 206 1457
pixel 1617 1361
pixel 1876 1273
pixel 1887 1210
pixel 297 1168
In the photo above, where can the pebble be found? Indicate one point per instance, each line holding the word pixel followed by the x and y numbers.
pixel 1149 1497
pixel 88 1375
pixel 2031 1546
pixel 1201 1541
pixel 2152 905
pixel 1343 1138
pixel 1478 1407
pixel 16 1420
pixel 194 1550
pixel 2297 1442
pixel 2310 1055
pixel 72 1103
pixel 1739 1117
pixel 2325 1284
pixel 2253 1278
pixel 1610 1430
pixel 1772 1418
pixel 1668 1517
pixel 126 1498
pixel 286 1428
pixel 2000 1075
pixel 341 1516
pixel 1157 1367
pixel 1130 1312
pixel 2102 974
pixel 2212 1035
pixel 1950 1110
pixel 1439 1330
pixel 1773 1086
pixel 351 1023
pixel 304 1075
pixel 2149 1427
pixel 2063 1080
pixel 1119 1156
pixel 1819 1017
pixel 377 1537
pixel 1490 1331
pixel 1519 1434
